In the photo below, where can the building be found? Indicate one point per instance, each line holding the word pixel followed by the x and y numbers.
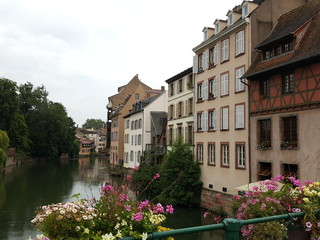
pixel 180 107
pixel 144 129
pixel 88 141
pixel 284 88
pixel 221 97
pixel 119 105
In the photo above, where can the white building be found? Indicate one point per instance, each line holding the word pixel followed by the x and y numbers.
pixel 138 128
pixel 180 107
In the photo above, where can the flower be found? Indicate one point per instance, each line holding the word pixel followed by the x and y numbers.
pixel 144 236
pixel 108 236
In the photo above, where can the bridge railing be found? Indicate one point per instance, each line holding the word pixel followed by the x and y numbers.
pixel 231 226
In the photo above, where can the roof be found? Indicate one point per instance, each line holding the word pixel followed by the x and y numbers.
pixel 303 23
pixel 179 75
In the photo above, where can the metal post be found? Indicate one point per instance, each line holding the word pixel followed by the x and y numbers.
pixel 232 227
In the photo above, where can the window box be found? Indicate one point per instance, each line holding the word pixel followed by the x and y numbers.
pixel 264 145
pixel 287 145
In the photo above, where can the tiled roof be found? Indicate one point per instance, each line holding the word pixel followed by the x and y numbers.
pixel 307 48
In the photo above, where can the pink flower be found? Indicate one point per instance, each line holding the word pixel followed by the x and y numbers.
pixel 308 224
pixel 158 208
pixel 236 197
pixel 107 189
pixel 219 195
pixel 205 214
pixel 123 197
pixel 156 176
pixel 137 216
pixel 128 177
pixel 169 209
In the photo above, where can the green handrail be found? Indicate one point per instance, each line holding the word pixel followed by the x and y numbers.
pixel 231 226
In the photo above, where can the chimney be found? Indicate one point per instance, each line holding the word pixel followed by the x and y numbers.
pixel 162 88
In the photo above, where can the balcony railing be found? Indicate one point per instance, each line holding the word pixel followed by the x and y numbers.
pixel 231 226
pixel 156 149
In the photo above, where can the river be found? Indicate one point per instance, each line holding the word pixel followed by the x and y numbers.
pixel 23 189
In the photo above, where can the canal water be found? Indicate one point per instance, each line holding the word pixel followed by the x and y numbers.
pixel 23 189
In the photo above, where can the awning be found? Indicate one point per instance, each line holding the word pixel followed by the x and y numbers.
pixel 264 172
pixel 250 186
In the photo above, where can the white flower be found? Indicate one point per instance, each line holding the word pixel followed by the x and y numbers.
pixel 119 235
pixel 144 236
pixel 108 237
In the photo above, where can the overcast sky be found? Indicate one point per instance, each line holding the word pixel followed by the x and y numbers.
pixel 82 50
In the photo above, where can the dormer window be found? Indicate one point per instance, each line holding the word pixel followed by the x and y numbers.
pixel 245 10
pixel 230 18
pixel 205 35
pixel 277 49
pixel 217 26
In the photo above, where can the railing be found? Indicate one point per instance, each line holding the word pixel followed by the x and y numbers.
pixel 231 226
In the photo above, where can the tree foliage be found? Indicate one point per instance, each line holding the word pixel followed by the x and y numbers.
pixel 35 125
pixel 4 144
pixel 179 182
pixel 96 124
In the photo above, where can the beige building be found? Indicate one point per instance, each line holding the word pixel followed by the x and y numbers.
pixel 180 107
pixel 221 98
pixel 120 105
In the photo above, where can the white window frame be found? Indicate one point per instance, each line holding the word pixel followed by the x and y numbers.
pixel 212 154
pixel 213 117
pixel 224 118
pixel 224 79
pixel 240 116
pixel 200 153
pixel 225 50
pixel 241 157
pixel 239 84
pixel 239 42
pixel 225 154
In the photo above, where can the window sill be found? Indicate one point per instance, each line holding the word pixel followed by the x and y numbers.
pixel 264 148
pixel 289 148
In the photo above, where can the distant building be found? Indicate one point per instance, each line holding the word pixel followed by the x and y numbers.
pixel 119 105
pixel 144 127
pixel 88 141
pixel 180 107
pixel 284 83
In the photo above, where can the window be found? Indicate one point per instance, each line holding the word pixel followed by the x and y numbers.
pixel 135 139
pixel 180 85
pixel 245 10
pixel 199 122
pixel 213 56
pixel 170 135
pixel 265 88
pixel 264 131
pixel 127 123
pixel 136 96
pixel 190 134
pixel 264 171
pixel 224 84
pixel 139 139
pixel 213 120
pixel 179 131
pixel 190 106
pixel 171 111
pixel 200 62
pixel 132 139
pixel 287 83
pixel 131 155
pixel 225 50
pixel 171 89
pixel 199 92
pixel 138 156
pixel 224 118
pixel 200 153
pixel 267 54
pixel 240 42
pixel 180 109
pixel 289 132
pixel 240 155
pixel 230 19
pixel 217 27
pixel 211 154
pixel 239 83
pixel 239 116
pixel 290 170
pixel 126 157
pixel 140 123
pixel 225 154
pixel 213 87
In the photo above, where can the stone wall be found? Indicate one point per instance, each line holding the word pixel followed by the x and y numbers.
pixel 217 201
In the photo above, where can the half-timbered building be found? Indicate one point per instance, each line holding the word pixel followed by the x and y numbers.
pixel 284 99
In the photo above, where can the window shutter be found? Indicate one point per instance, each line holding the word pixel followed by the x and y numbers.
pixel 195 64
pixel 206 59
pixel 186 134
pixel 239 84
pixel 182 109
pixel 215 87
pixel 186 108
pixel 177 110
pixel 195 90
pixel 226 83
pixel 215 55
pixel 222 85
pixel 224 118
pixel 195 122
pixel 169 113
pixel 240 116
pixel 215 120
pixel 205 90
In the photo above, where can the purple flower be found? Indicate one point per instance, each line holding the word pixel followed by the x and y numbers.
pixel 308 224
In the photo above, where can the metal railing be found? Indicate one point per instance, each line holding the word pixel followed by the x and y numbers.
pixel 231 226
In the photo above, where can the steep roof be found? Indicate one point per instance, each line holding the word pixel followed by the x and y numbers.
pixel 303 24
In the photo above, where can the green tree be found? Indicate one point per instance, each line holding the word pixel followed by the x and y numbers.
pixel 4 144
pixel 96 124
pixel 12 120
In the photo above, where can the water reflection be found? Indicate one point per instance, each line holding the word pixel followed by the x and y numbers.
pixel 25 188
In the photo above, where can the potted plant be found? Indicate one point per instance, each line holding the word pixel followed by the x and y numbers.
pixel 264 145
pixel 288 145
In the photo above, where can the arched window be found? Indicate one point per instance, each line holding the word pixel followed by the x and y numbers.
pixel 136 124
pixel 139 139
pixel 140 123
pixel 132 125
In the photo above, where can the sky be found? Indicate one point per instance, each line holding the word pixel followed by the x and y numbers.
pixel 82 50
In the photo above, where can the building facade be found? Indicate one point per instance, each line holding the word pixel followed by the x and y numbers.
pixel 180 107
pixel 221 97
pixel 284 85
pixel 138 128
pixel 120 105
